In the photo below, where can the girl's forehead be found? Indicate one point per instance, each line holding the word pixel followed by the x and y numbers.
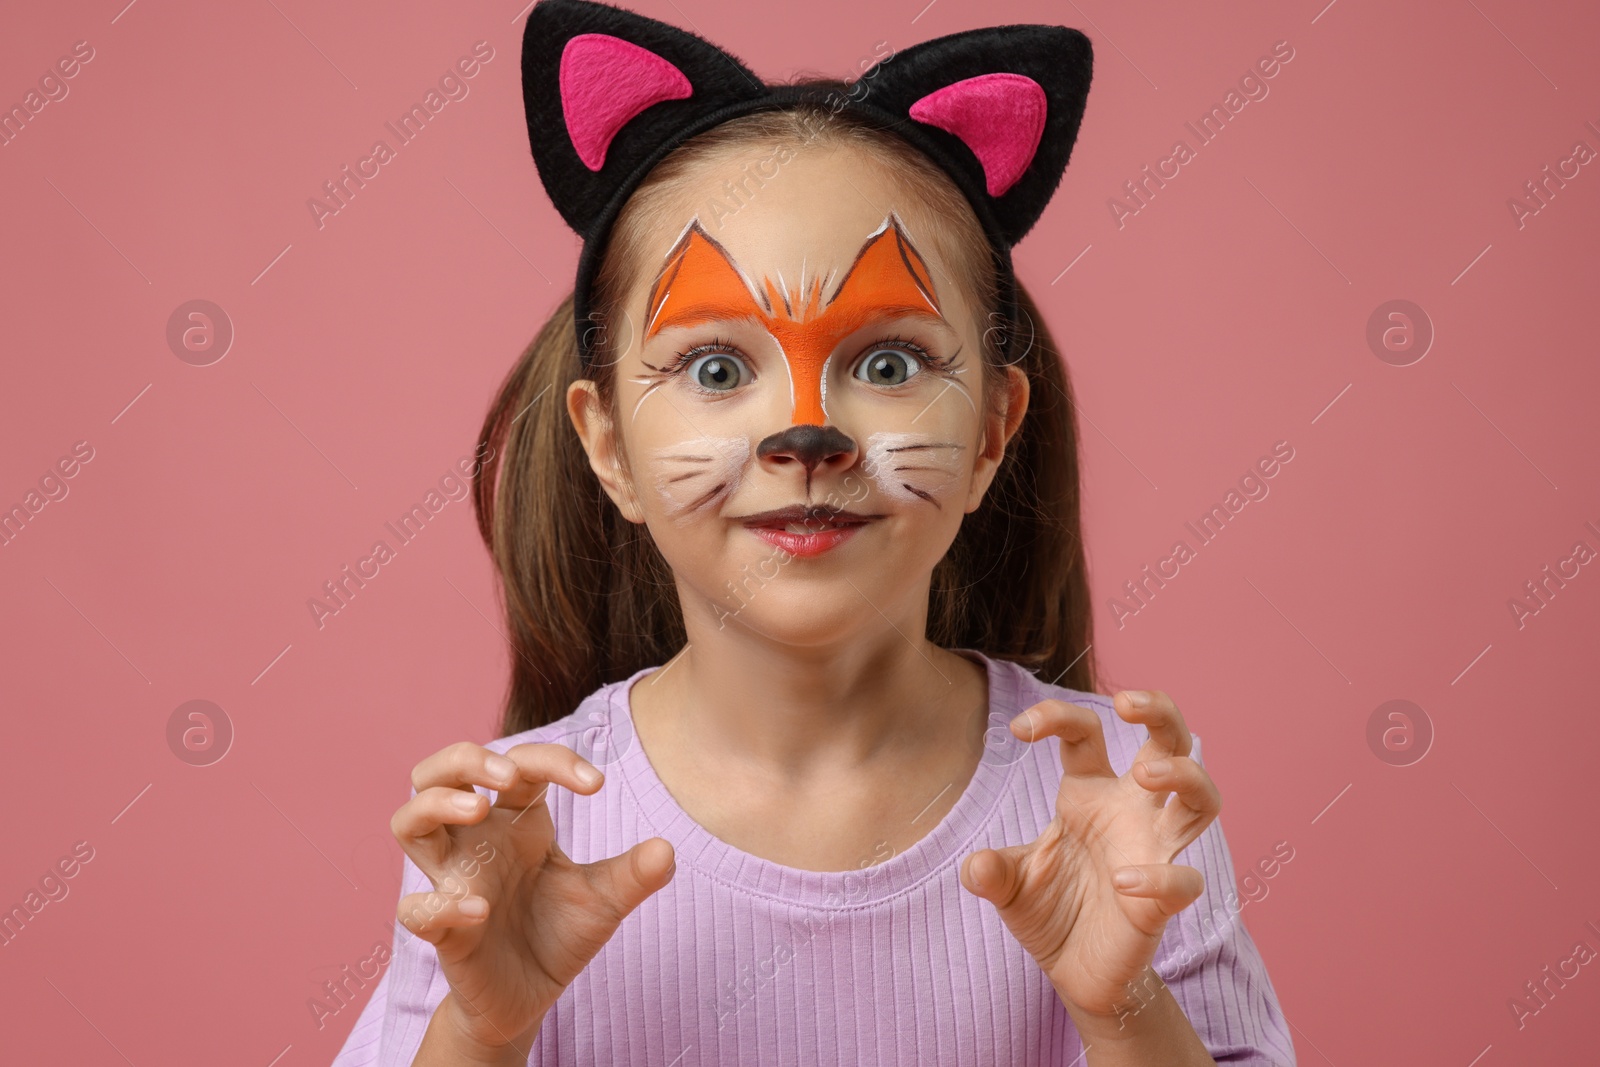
pixel 812 212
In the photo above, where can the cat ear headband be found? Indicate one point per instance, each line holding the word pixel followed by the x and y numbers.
pixel 608 94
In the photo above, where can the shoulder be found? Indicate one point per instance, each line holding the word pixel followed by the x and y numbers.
pixel 1018 689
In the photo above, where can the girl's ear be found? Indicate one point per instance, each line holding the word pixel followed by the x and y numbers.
pixel 999 429
pixel 599 437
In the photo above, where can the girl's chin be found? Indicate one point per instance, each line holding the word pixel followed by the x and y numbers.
pixel 805 604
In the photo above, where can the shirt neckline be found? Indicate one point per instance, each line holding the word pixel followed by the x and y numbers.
pixel 720 861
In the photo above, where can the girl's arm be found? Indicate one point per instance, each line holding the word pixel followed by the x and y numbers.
pixel 450 1041
pixel 1159 1033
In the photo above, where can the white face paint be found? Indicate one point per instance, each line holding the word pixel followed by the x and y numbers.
pixel 698 473
pixel 913 466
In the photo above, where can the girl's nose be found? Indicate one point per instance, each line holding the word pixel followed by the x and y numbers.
pixel 809 445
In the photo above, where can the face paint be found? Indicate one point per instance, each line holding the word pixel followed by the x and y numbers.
pixel 698 472
pixel 701 283
pixel 913 466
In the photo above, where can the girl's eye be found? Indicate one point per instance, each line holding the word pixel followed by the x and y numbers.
pixel 888 366
pixel 718 372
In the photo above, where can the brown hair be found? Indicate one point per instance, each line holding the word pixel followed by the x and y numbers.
pixel 589 599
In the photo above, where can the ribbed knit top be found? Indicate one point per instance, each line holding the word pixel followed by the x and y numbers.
pixel 740 960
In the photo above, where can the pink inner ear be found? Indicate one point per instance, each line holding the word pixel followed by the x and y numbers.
pixel 605 81
pixel 999 116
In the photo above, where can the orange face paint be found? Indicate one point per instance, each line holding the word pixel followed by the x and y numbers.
pixel 701 283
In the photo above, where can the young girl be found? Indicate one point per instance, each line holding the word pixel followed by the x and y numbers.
pixel 785 505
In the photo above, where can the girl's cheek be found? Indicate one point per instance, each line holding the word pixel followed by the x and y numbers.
pixel 695 475
pixel 689 460
pixel 923 455
pixel 914 468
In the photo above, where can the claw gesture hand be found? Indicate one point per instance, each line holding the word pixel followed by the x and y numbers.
pixel 513 919
pixel 1090 897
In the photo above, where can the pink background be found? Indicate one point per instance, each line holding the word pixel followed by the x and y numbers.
pixel 1230 313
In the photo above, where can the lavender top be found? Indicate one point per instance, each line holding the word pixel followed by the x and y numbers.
pixel 740 960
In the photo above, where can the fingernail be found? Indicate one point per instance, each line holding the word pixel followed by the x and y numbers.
pixel 467 802
pixel 1157 767
pixel 474 906
pixel 1138 697
pixel 587 774
pixel 500 768
pixel 1126 878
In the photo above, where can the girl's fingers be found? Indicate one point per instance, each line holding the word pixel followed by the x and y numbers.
pixel 1169 734
pixel 1169 888
pixel 431 916
pixel 540 765
pixel 462 766
pixel 446 796
pixel 993 874
pixel 1196 802
pixel 1083 740
pixel 519 777
pixel 624 881
pixel 419 823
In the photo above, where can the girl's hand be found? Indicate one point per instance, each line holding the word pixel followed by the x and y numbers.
pixel 512 918
pixel 1060 896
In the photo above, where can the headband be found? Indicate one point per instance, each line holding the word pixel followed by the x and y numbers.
pixel 609 93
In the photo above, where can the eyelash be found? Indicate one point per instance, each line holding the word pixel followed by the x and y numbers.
pixel 689 355
pixel 928 360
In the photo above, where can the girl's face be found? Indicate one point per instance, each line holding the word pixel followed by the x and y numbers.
pixel 801 399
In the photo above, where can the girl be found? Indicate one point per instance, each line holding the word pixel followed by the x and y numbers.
pixel 785 505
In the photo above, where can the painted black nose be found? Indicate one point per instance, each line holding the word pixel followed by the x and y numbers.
pixel 809 445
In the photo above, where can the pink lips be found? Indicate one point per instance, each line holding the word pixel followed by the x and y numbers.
pixel 806 544
pixel 828 527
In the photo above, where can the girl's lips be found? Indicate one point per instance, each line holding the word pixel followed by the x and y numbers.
pixel 806 544
pixel 821 527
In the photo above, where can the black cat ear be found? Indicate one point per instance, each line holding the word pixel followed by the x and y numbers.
pixel 999 107
pixel 605 89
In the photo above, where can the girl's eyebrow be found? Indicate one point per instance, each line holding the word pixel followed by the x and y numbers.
pixel 908 311
pixel 710 309
pixel 875 320
pixel 701 314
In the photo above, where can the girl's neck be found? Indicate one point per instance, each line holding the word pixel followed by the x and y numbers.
pixel 735 697
pixel 817 758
